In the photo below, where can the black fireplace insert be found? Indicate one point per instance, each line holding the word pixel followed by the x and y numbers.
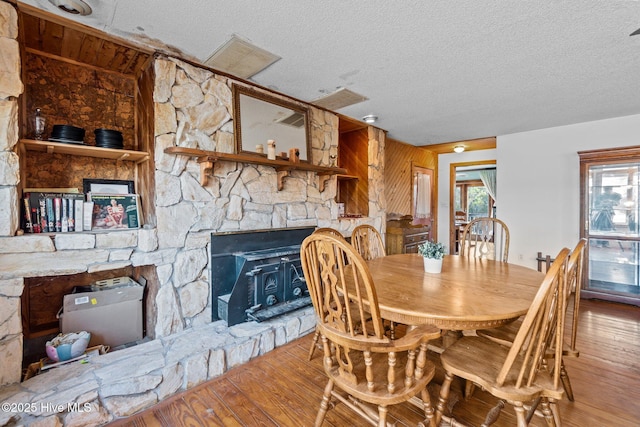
pixel 257 275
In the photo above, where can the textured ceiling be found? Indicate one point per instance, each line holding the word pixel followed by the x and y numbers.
pixel 433 71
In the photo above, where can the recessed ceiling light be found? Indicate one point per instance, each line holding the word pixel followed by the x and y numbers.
pixel 241 58
pixel 76 7
pixel 458 148
pixel 370 118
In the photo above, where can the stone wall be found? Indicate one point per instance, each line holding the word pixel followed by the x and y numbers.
pixel 192 109
pixel 10 290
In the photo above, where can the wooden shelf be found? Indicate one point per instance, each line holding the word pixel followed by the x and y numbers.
pixel 347 177
pixel 84 150
pixel 282 167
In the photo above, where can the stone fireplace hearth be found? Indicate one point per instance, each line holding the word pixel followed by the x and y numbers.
pixel 127 381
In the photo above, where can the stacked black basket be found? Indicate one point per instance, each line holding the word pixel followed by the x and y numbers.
pixel 108 138
pixel 67 133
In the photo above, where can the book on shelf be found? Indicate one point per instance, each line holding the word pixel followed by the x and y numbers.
pixel 50 212
pixel 78 215
pixel 87 215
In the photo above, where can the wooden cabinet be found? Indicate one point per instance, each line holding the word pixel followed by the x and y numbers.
pixel 404 238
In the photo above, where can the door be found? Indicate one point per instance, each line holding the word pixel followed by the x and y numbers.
pixel 610 184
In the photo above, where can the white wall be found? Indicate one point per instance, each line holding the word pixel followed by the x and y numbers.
pixel 539 182
pixel 444 163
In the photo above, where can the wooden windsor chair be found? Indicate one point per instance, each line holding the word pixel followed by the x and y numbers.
pixel 359 359
pixel 506 334
pixel 368 242
pixel 521 373
pixel 485 238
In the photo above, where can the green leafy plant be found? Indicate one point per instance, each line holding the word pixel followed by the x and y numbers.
pixel 434 250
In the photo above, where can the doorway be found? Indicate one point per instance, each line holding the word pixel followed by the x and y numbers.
pixel 469 197
pixel 610 183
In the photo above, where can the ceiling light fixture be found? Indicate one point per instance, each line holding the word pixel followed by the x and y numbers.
pixel 370 119
pixel 458 148
pixel 76 7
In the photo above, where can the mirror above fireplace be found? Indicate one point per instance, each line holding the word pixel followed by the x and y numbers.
pixel 259 117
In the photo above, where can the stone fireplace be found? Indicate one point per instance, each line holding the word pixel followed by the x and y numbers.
pixel 185 344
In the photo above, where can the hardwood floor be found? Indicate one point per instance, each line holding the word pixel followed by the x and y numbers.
pixel 283 389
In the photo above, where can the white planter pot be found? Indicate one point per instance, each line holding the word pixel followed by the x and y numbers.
pixel 432 265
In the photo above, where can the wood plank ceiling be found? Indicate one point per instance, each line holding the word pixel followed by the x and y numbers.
pixel 49 35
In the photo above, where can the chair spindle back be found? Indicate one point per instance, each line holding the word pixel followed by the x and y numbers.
pixel 541 329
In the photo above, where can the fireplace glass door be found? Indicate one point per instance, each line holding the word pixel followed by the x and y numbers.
pixel 610 217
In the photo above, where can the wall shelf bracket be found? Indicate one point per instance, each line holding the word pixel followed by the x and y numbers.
pixel 322 181
pixel 206 168
pixel 282 172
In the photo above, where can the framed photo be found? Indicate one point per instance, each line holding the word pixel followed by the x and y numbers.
pixel 107 186
pixel 115 211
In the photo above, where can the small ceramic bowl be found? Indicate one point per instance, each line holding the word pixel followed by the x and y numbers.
pixel 67 346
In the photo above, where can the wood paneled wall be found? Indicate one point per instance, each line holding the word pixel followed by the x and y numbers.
pixel 397 174
pixel 354 157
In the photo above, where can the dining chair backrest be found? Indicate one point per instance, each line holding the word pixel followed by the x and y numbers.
pixel 316 336
pixel 485 238
pixel 368 242
pixel 359 357
pixel 575 268
pixel 340 286
pixel 542 329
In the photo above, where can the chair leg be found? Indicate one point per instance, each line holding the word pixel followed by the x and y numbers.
pixel 532 410
pixel 469 387
pixel 444 396
pixel 520 414
pixel 314 343
pixel 382 416
pixel 555 410
pixel 566 383
pixel 548 413
pixel 493 414
pixel 428 408
pixel 324 405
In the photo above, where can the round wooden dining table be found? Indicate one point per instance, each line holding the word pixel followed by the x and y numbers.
pixel 469 293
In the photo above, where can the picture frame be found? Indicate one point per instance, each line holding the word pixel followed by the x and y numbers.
pixel 115 211
pixel 108 186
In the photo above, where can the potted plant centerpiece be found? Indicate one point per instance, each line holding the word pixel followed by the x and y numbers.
pixel 432 254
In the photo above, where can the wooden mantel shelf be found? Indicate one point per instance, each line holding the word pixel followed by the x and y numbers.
pixel 85 150
pixel 282 167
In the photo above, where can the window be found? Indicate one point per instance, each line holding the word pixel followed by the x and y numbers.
pixel 473 198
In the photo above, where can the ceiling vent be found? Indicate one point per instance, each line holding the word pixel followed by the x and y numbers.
pixel 75 7
pixel 240 58
pixel 339 99
pixel 296 120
